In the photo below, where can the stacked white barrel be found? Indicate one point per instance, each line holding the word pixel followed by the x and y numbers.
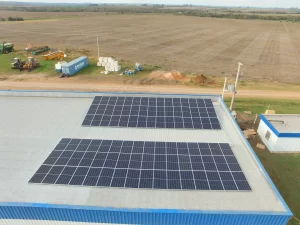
pixel 109 64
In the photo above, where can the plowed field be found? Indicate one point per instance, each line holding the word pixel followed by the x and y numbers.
pixel 269 50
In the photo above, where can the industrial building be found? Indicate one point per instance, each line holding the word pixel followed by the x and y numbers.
pixel 39 126
pixel 280 133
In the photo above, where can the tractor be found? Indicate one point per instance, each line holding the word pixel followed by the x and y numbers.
pixel 31 64
pixel 17 64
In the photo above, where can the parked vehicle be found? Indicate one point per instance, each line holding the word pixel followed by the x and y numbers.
pixel 6 47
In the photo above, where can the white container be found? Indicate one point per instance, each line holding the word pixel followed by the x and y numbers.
pixel 58 66
pixel 100 59
pixel 104 59
pixel 99 64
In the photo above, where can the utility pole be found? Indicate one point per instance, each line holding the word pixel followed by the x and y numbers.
pixel 235 86
pixel 225 82
pixel 98 46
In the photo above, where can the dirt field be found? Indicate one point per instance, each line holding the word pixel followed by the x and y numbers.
pixel 269 50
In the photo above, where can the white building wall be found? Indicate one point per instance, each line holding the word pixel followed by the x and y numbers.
pixel 262 130
pixel 288 145
pixel 278 144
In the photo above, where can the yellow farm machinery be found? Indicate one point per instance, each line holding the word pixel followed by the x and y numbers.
pixel 58 55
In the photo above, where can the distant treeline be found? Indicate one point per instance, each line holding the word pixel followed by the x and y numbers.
pixel 12 19
pixel 245 16
pixel 215 13
pixel 90 8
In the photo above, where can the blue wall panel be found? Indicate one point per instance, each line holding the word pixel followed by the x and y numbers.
pixel 138 216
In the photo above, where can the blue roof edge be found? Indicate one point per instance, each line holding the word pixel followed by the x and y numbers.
pixel 288 211
pixel 138 210
pixel 276 132
pixel 95 92
pixel 90 214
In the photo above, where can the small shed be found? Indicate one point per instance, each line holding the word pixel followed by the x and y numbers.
pixel 281 132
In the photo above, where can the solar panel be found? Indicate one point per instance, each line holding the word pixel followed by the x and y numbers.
pixel 187 113
pixel 139 164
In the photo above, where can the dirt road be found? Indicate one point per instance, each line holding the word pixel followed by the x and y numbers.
pixel 65 84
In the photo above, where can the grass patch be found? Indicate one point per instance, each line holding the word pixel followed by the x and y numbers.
pixel 46 67
pixel 283 169
pixel 285 172
pixel 5 61
pixel 261 105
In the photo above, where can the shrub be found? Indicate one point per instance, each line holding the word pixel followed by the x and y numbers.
pixel 15 19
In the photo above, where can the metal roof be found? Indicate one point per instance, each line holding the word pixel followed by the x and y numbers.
pixel 285 123
pixel 74 61
pixel 32 123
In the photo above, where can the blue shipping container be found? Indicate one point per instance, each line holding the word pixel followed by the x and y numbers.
pixel 74 66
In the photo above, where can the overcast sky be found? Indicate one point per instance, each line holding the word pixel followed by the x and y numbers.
pixel 255 3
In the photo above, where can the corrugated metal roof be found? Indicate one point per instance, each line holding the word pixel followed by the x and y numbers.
pixel 32 126
pixel 75 61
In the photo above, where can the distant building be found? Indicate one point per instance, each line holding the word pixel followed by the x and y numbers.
pixel 280 133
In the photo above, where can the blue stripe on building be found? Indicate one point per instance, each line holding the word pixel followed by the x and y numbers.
pixel 138 216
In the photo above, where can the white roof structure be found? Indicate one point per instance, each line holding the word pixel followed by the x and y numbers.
pixel 33 123
pixel 285 123
pixel 280 133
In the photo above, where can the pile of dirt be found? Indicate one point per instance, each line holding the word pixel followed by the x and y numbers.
pixel 202 80
pixel 173 75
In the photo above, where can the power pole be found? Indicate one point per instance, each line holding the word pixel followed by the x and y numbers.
pixel 235 86
pixel 98 46
pixel 223 93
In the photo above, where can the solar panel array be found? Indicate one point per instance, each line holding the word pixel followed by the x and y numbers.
pixel 139 164
pixel 151 112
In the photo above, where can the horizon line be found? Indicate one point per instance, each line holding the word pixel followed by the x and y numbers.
pixel 131 3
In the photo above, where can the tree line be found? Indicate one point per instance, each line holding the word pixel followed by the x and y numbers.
pixel 242 16
pixel 161 9
pixel 12 19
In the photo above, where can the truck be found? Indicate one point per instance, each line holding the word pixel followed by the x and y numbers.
pixel 6 47
pixel 69 69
